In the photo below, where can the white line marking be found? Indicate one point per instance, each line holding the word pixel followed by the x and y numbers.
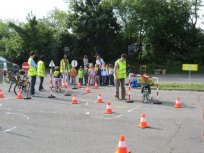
pixel 9 113
pixel 8 130
pixel 87 113
pixel 130 110
pixel 107 118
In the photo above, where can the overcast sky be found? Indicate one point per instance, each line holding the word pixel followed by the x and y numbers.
pixel 19 9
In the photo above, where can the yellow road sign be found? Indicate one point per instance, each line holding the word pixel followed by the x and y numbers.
pixel 190 67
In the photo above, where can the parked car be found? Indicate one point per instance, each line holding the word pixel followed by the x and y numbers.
pixel 9 66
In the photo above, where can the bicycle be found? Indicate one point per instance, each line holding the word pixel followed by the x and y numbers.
pixel 21 82
pixel 145 94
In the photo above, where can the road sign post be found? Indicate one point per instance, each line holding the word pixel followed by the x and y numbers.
pixel 74 64
pixel 51 65
pixel 25 67
pixel 189 67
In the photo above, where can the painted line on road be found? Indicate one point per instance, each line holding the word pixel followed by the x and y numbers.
pixel 26 116
pixel 105 118
pixel 130 110
pixel 8 130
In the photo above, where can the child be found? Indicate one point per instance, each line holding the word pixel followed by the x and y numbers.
pixel 57 76
pixel 92 75
pixel 104 75
pixel 146 82
pixel 81 74
pixel 73 74
pixel 86 74
pixel 107 74
pixel 111 77
pixel 98 74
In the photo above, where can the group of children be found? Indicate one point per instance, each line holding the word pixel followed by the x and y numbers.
pixel 103 75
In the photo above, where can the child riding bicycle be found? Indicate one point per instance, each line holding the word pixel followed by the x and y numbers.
pixel 146 82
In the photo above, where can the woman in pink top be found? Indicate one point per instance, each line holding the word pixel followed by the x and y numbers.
pixel 92 75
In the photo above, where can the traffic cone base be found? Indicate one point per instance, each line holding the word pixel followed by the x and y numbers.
pixel 143 122
pixel 108 108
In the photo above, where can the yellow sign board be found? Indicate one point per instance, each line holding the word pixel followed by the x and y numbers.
pixel 190 67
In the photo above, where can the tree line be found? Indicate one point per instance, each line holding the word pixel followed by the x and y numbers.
pixel 160 32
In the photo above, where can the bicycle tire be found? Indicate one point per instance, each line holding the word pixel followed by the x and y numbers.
pixel 22 89
pixel 16 87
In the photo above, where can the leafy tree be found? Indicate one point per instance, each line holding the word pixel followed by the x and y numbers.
pixel 93 24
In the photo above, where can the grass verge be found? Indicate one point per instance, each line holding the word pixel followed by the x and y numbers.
pixel 177 86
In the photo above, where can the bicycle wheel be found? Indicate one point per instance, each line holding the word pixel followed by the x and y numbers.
pixel 17 87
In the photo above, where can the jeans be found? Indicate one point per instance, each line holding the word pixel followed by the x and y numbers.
pixel 41 83
pixel 120 82
pixel 32 87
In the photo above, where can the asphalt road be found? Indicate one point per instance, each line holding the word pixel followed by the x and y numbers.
pixel 43 125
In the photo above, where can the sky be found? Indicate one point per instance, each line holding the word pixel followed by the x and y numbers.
pixel 18 10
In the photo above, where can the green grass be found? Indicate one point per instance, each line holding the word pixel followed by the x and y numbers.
pixel 175 86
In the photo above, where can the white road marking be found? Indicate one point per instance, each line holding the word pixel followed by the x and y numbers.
pixel 130 110
pixel 106 118
pixel 9 113
pixel 8 130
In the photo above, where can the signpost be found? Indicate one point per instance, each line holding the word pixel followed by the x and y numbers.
pixel 51 65
pixel 25 67
pixel 189 67
pixel 74 64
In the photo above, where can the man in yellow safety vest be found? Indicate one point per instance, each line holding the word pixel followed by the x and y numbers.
pixel 120 75
pixel 32 72
pixel 64 68
pixel 41 72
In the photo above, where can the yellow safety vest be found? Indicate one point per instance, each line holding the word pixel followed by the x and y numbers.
pixel 121 71
pixel 62 66
pixel 41 69
pixel 32 70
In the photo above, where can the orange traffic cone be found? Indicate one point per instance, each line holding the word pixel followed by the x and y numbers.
pixel 19 96
pixel 99 98
pixel 64 85
pixel 108 108
pixel 79 85
pixel 88 89
pixel 1 93
pixel 122 148
pixel 96 85
pixel 74 99
pixel 143 122
pixel 178 103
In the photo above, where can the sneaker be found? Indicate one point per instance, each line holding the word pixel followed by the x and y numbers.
pixel 123 98
pixel 117 97
pixel 34 95
pixel 42 90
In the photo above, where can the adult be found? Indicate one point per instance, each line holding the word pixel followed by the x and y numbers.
pixel 32 72
pixel 99 61
pixel 41 72
pixel 64 68
pixel 85 60
pixel 120 75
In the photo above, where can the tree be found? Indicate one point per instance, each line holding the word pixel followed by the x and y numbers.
pixel 93 24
